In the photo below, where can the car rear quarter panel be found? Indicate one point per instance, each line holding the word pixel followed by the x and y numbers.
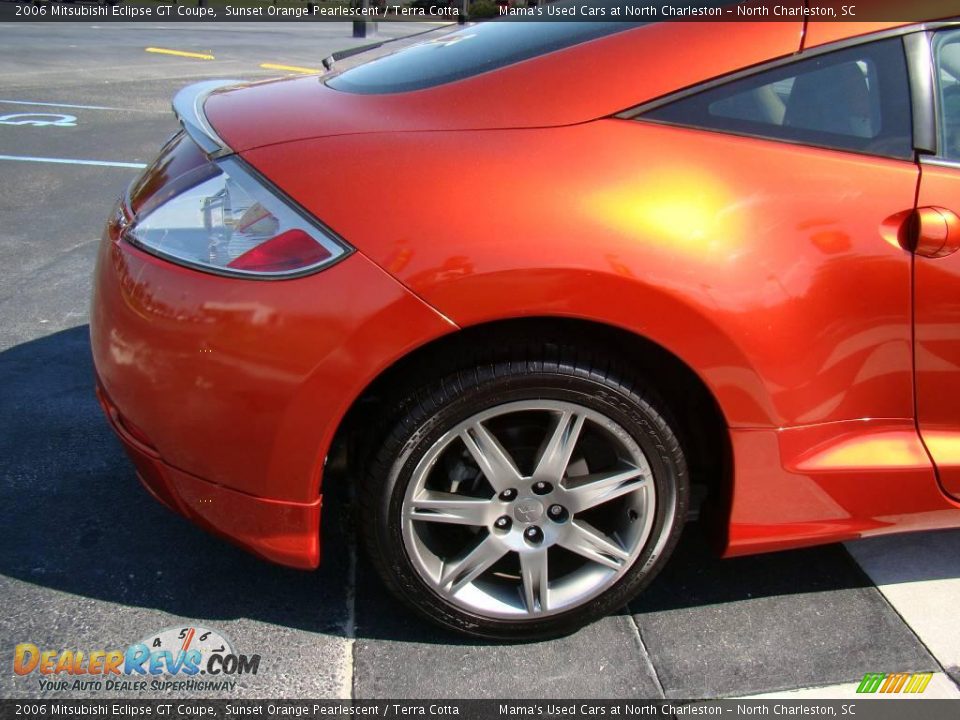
pixel 772 270
pixel 762 265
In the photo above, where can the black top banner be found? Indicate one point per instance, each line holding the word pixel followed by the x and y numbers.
pixel 471 10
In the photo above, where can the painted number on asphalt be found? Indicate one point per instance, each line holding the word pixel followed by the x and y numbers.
pixel 39 119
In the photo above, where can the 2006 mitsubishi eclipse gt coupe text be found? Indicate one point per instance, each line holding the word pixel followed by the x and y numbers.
pixel 540 284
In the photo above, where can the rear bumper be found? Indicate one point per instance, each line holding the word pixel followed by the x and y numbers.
pixel 227 393
pixel 277 530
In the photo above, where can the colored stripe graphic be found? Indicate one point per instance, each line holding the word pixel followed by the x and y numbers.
pixel 918 682
pixel 894 682
pixel 871 682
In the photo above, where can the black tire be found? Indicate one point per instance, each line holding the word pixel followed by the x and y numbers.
pixel 521 373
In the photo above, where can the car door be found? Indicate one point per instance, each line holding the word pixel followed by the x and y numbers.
pixel 937 270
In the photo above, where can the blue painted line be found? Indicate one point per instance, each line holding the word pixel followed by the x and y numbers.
pixel 67 161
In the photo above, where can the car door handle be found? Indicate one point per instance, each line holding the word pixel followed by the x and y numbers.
pixel 934 232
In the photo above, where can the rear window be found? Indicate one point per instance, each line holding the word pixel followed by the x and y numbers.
pixel 468 52
pixel 855 99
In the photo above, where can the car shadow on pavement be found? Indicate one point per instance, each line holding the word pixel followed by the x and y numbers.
pixel 76 520
pixel 694 577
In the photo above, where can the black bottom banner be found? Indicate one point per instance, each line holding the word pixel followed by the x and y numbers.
pixel 867 709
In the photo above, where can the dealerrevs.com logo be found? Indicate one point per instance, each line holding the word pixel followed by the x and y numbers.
pixel 177 658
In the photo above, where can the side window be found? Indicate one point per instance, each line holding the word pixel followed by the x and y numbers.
pixel 946 54
pixel 856 99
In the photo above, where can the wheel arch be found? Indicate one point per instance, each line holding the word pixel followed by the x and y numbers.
pixel 703 429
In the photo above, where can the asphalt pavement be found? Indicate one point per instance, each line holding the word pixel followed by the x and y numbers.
pixel 88 560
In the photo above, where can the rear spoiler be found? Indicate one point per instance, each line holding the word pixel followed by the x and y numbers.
pixel 331 60
pixel 188 103
pixel 188 107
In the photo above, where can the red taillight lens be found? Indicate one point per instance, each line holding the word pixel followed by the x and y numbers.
pixel 224 219
pixel 287 251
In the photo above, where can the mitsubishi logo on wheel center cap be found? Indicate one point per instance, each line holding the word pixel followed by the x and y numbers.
pixel 528 510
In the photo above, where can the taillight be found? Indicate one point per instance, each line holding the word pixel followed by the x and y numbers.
pixel 221 218
pixel 286 251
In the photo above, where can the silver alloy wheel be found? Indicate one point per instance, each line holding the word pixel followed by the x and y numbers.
pixel 528 509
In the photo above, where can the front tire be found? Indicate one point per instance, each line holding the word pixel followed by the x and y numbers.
pixel 522 500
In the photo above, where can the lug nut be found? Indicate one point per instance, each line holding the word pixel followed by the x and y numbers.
pixel 533 535
pixel 557 512
pixel 542 488
pixel 502 523
pixel 508 495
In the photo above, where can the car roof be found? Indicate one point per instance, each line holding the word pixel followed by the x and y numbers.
pixel 596 78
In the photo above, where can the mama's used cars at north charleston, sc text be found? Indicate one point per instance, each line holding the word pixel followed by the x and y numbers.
pixel 540 295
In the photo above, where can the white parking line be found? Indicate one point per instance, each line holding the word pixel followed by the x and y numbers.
pixel 68 161
pixel 919 574
pixel 67 105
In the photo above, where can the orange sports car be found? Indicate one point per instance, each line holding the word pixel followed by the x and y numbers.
pixel 549 289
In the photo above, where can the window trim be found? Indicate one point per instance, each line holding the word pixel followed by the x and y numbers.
pixel 923 93
pixel 932 103
pixel 918 61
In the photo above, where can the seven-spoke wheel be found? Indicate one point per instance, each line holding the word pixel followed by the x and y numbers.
pixel 541 539
pixel 527 503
